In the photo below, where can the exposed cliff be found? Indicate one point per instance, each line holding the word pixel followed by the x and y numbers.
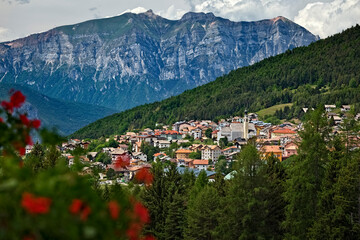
pixel 132 59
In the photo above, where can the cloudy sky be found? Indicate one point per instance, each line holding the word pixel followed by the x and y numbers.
pixel 19 18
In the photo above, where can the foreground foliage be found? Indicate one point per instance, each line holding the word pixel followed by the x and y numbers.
pixel 42 198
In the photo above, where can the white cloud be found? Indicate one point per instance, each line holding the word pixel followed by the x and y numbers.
pixel 322 17
pixel 172 13
pixel 135 10
pixel 329 18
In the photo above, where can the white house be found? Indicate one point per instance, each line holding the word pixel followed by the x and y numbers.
pixel 211 152
pixel 162 144
pixel 345 108
pixel 201 164
pixel 329 108
pixel 140 156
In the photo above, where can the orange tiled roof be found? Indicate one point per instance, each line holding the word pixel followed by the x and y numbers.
pixel 158 154
pixel 271 148
pixel 182 150
pixel 201 162
pixel 284 131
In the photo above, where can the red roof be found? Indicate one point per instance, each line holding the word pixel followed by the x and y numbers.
pixel 158 154
pixel 201 162
pixel 284 131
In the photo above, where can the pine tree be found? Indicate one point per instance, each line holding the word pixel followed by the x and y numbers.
pixel 338 215
pixel 244 208
pixel 175 219
pixel 275 203
pixel 306 175
pixel 202 215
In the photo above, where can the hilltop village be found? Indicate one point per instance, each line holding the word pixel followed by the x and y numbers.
pixel 193 145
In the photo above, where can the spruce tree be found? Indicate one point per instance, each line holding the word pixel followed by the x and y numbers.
pixel 175 219
pixel 244 208
pixel 202 216
pixel 275 203
pixel 306 174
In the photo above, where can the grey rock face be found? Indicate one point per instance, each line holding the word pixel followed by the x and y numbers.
pixel 132 59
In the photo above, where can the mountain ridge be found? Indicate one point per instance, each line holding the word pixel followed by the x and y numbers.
pixel 132 59
pixel 325 72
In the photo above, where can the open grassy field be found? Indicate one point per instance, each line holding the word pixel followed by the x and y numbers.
pixel 271 110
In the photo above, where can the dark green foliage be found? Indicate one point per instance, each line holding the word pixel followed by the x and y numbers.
pixel 275 204
pixel 163 202
pixel 149 150
pixel 175 219
pixel 244 214
pixel 202 216
pixel 195 155
pixel 306 175
pixel 103 157
pixel 321 73
pixel 208 132
pixel 338 215
pixel 110 174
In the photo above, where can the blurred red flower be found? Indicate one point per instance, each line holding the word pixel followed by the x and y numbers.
pixel 114 209
pixel 122 161
pixel 8 106
pixel 28 140
pixel 85 213
pixel 133 232
pixel 25 120
pixel 17 99
pixel 1 120
pixel 144 175
pixel 76 206
pixel 142 212
pixel 35 205
pixel 36 123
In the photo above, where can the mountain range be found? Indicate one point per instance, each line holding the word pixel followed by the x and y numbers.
pixel 132 59
pixel 325 72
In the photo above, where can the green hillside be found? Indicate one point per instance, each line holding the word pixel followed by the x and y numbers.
pixel 327 71
pixel 65 116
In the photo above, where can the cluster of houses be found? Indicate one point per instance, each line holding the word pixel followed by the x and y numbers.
pixel 278 140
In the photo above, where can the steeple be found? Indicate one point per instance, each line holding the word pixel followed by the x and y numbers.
pixel 246 125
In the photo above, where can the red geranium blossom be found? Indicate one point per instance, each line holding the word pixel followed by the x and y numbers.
pixel 24 120
pixel 114 209
pixel 122 161
pixel 8 106
pixel 133 231
pixel 142 212
pixel 17 99
pixel 28 140
pixel 1 120
pixel 35 205
pixel 76 206
pixel 36 123
pixel 144 175
pixel 85 213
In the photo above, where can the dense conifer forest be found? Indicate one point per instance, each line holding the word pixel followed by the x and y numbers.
pixel 325 72
pixel 312 195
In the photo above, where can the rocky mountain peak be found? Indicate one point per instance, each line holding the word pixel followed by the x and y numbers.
pixel 195 16
pixel 132 59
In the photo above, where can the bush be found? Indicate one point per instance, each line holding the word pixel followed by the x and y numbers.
pixel 55 202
